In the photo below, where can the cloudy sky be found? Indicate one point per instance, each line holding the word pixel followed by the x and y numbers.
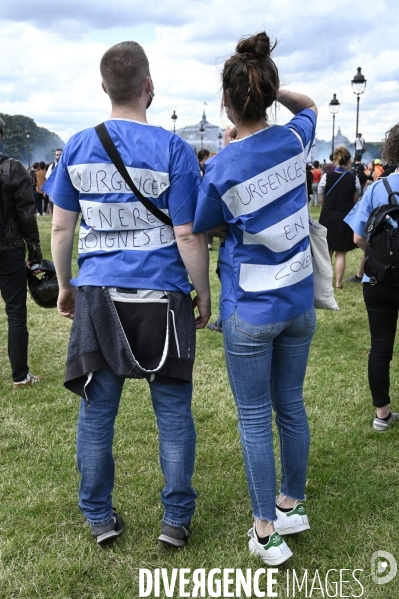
pixel 50 52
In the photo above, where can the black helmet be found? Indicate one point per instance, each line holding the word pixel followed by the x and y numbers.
pixel 43 287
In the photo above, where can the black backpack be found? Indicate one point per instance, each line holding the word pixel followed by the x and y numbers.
pixel 382 241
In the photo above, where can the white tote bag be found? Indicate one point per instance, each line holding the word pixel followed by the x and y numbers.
pixel 322 269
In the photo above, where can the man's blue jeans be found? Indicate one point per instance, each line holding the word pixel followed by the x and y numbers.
pixel 266 365
pixel 172 407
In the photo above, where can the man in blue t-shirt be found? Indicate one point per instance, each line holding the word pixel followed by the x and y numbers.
pixel 131 301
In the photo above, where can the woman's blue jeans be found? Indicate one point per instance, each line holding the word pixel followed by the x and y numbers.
pixel 172 407
pixel 266 365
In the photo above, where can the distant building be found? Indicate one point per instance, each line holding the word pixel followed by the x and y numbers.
pixel 212 137
pixel 341 140
pixel 322 149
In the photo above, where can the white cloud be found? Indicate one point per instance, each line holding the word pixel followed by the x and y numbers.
pixel 50 56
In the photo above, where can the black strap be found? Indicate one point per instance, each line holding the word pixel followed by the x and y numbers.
pixel 116 159
pixel 337 181
pixel 391 194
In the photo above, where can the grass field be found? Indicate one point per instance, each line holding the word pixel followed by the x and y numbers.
pixel 46 550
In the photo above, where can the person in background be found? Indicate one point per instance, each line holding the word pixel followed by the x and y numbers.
pixel 203 156
pixel 360 146
pixel 267 310
pixel 18 229
pixel 40 179
pixel 309 181
pixel 338 191
pixel 378 169
pixel 39 204
pixel 359 170
pixel 316 172
pixel 49 201
pixel 330 166
pixel 51 167
pixel 382 299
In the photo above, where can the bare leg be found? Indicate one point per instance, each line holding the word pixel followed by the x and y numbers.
pixel 383 412
pixel 340 263
pixel 360 272
pixel 264 528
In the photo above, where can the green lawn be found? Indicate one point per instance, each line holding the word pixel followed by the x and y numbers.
pixel 46 550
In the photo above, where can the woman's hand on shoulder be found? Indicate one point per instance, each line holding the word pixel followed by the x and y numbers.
pixel 229 135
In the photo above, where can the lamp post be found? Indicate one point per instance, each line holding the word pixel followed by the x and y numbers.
pixel 27 133
pixel 220 136
pixel 334 107
pixel 358 85
pixel 174 117
pixel 202 131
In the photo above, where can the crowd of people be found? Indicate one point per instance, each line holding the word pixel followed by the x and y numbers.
pixel 39 172
pixel 130 302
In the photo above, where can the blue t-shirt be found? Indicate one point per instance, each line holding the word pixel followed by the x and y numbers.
pixel 374 196
pixel 121 244
pixel 257 186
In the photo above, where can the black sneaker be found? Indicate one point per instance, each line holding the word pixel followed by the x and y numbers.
pixel 174 536
pixel 354 279
pixel 105 533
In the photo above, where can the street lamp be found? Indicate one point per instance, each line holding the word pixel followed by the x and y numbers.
pixel 220 136
pixel 358 85
pixel 202 131
pixel 334 107
pixel 27 133
pixel 174 117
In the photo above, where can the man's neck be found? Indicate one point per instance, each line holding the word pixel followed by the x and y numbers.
pixel 137 113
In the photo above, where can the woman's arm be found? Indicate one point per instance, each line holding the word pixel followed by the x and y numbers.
pixel 194 253
pixel 295 102
pixel 360 241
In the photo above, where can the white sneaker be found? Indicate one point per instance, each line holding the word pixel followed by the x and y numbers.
pixel 381 425
pixel 274 553
pixel 31 379
pixel 289 523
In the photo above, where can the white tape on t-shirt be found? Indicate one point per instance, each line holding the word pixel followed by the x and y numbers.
pixel 118 216
pixel 266 277
pixel 91 240
pixel 104 178
pixel 266 187
pixel 283 235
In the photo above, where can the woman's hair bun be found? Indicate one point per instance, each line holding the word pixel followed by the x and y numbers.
pixel 258 45
pixel 342 155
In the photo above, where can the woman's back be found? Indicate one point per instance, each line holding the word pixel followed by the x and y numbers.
pixel 266 258
pixel 339 192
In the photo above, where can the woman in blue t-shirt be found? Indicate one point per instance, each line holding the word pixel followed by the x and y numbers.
pixel 256 184
pixel 381 299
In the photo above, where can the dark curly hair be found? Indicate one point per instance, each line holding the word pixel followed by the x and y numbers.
pixel 390 146
pixel 250 78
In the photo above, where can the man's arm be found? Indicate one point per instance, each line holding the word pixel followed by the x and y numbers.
pixel 194 253
pixel 64 222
